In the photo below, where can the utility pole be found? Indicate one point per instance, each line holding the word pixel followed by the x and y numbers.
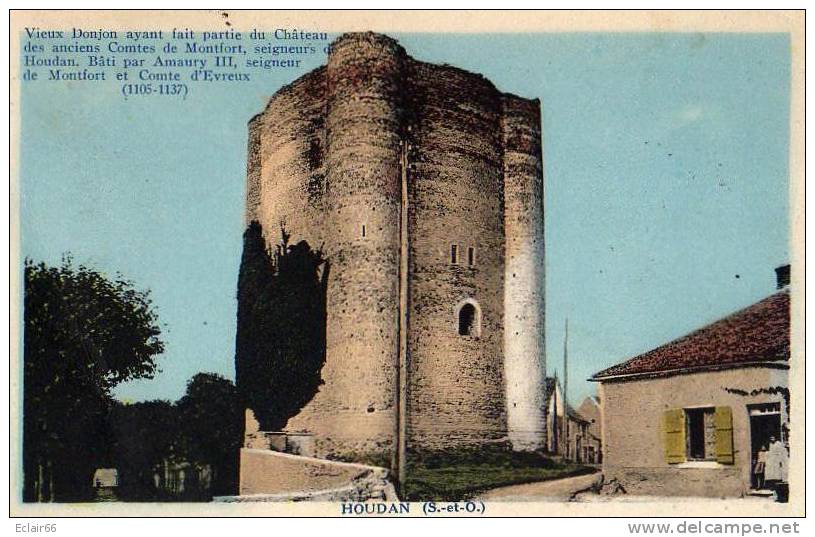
pixel 566 390
pixel 399 449
pixel 556 444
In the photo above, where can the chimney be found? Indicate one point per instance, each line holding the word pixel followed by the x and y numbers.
pixel 782 276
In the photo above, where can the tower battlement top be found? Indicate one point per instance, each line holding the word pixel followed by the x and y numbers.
pixel 366 38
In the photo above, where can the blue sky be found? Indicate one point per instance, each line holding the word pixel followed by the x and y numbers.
pixel 666 184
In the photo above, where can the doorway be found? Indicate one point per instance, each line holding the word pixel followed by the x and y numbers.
pixel 765 422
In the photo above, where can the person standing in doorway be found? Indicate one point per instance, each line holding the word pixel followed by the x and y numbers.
pixel 760 466
pixel 776 466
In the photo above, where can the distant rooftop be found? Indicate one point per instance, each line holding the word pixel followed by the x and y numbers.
pixel 758 333
pixel 550 384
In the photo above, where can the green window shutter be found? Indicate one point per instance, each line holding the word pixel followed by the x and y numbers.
pixel 724 434
pixel 673 425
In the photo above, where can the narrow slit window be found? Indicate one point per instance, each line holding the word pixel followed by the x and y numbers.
pixel 363 231
pixel 454 254
pixel 470 256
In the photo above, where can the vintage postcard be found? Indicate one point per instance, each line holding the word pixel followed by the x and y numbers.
pixel 407 263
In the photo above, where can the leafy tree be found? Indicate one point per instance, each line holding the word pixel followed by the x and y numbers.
pixel 84 334
pixel 143 437
pixel 210 417
pixel 280 346
pixel 202 429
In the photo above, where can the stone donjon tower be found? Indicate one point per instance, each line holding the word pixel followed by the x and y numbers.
pixel 424 186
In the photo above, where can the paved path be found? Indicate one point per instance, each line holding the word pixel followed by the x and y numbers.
pixel 555 490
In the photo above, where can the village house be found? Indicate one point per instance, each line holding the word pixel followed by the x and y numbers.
pixel 105 483
pixel 572 440
pixel 589 409
pixel 695 416
pixel 183 479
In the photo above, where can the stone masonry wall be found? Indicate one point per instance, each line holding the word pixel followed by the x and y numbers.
pixel 253 169
pixel 325 157
pixel 455 382
pixel 272 476
pixel 524 274
pixel 362 162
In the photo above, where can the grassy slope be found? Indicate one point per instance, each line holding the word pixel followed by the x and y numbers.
pixel 459 475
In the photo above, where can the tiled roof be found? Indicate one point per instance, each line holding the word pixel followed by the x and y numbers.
pixel 758 333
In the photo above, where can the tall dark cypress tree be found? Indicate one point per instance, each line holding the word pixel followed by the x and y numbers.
pixel 255 276
pixel 281 336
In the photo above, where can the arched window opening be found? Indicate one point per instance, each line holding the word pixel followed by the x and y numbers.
pixel 467 319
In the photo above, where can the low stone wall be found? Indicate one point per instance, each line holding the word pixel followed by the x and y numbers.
pixel 273 476
pixel 294 443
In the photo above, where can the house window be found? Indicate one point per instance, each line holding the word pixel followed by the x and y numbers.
pixel 454 254
pixel 700 434
pixel 470 256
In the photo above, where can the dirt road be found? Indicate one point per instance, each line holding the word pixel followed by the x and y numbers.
pixel 556 490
